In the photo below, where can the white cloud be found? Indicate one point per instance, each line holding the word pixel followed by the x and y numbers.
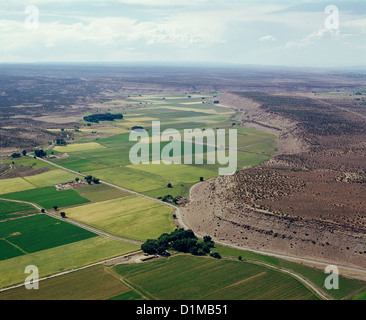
pixel 267 38
pixel 169 29
pixel 313 38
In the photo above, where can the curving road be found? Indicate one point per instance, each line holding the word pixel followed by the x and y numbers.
pixel 306 282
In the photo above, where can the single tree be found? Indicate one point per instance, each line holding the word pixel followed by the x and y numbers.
pixel 63 215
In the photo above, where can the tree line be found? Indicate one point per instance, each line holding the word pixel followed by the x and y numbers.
pixel 182 241
pixel 103 117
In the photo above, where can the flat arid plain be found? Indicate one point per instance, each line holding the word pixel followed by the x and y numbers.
pixel 73 205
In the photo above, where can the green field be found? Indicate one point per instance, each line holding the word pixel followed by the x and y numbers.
pixel 347 286
pixel 75 286
pixel 14 209
pixel 131 179
pixel 130 217
pixel 50 178
pixel 79 147
pixel 14 185
pixel 30 162
pixel 112 163
pixel 100 192
pixel 37 233
pixel 48 197
pixel 61 258
pixel 181 277
pixel 361 296
pixel 80 164
pixel 185 277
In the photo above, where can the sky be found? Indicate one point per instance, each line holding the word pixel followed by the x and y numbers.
pixel 278 33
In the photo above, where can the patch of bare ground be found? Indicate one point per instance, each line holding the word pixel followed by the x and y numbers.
pixel 309 200
pixel 71 185
pixel 254 117
pixel 22 171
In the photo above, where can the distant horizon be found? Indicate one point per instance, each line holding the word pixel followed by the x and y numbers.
pixel 278 33
pixel 180 64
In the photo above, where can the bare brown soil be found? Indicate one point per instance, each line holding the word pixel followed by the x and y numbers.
pixel 22 171
pixel 309 201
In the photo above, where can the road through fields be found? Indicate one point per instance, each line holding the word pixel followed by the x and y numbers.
pixel 306 282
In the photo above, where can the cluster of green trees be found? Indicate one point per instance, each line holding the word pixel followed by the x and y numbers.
pixel 40 153
pixel 90 179
pixel 170 199
pixel 180 240
pixel 137 128
pixel 103 117
pixel 18 155
pixel 60 142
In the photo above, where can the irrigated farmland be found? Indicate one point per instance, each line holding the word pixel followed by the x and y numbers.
pixel 191 278
pixel 74 286
pixel 130 217
pixel 14 209
pixel 48 197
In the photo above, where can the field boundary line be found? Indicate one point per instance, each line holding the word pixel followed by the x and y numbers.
pixel 182 224
pixel 14 245
pixel 113 273
pixel 305 282
pixel 73 270
pixel 92 229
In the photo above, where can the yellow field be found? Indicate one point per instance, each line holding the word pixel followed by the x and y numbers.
pixel 73 286
pixel 63 258
pixel 140 119
pixel 191 103
pixel 107 130
pixel 131 217
pixel 14 185
pixel 79 147
pixel 208 111
pixel 50 178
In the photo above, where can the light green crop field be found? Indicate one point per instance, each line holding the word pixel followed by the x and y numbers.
pixel 361 296
pixel 130 217
pixel 131 179
pixel 80 164
pixel 50 178
pixel 79 147
pixel 29 161
pixel 185 277
pixel 62 258
pixel 74 286
pixel 14 185
pixel 176 172
pixel 100 192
